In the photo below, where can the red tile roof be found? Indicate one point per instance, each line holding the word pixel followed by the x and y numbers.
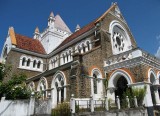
pixel 85 28
pixel 77 33
pixel 29 44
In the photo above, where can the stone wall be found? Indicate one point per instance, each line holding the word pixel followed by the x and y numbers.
pixel 28 107
pixel 129 112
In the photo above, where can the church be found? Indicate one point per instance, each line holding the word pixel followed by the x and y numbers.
pixel 60 62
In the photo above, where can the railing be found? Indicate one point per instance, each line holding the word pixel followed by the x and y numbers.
pixel 92 105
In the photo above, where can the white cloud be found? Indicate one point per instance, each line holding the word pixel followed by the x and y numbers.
pixel 158 50
pixel 158 53
pixel 158 37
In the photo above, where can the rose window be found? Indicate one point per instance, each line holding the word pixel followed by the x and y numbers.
pixel 118 41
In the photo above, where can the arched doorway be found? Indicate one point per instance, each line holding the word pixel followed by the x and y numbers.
pixel 121 87
pixel 118 84
pixel 59 90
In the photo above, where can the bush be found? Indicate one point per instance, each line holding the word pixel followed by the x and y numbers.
pixel 15 88
pixel 62 109
pixel 139 93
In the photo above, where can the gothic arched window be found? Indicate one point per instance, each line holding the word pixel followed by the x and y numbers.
pixel 42 86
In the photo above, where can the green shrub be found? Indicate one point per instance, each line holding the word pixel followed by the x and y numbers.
pixel 62 109
pixel 139 93
pixel 124 103
pixel 15 88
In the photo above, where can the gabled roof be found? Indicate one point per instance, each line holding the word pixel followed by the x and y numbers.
pixel 29 44
pixel 26 43
pixel 59 23
pixel 85 28
pixel 77 33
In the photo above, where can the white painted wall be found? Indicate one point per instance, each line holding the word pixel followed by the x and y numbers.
pixel 14 108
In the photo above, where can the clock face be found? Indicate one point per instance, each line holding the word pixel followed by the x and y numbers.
pixel 118 41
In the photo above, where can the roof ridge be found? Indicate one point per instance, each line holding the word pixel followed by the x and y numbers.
pixel 24 36
pixel 104 14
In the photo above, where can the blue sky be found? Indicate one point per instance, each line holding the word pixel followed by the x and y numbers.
pixel 142 16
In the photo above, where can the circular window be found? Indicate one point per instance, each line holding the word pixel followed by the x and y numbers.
pixel 118 41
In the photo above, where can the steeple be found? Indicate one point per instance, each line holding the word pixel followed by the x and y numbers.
pixel 51 20
pixel 36 33
pixel 77 28
pixel 51 15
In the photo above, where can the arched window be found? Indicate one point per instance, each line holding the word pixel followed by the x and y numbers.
pixel 39 64
pixel 42 86
pixel 67 55
pixel 56 62
pixel 63 58
pixel 70 55
pixel 34 63
pixel 79 49
pixel 120 39
pixel 28 62
pixel 59 91
pixel 84 48
pixel 31 86
pixel 88 45
pixel 95 83
pixel 23 61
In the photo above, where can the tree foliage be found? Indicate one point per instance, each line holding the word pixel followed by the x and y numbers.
pixel 15 88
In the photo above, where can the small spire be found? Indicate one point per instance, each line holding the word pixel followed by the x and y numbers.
pixel 77 28
pixel 51 15
pixel 36 33
pixel 36 30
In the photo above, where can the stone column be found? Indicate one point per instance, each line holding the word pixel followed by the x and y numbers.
pixel 92 103
pixel 49 104
pixel 118 102
pixel 72 104
pixel 156 95
pixel 106 103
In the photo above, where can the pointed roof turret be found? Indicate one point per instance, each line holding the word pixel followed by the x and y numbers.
pixel 12 35
pixel 36 30
pixel 77 28
pixel 36 33
pixel 51 15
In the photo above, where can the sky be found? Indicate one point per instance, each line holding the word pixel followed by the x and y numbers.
pixel 142 16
